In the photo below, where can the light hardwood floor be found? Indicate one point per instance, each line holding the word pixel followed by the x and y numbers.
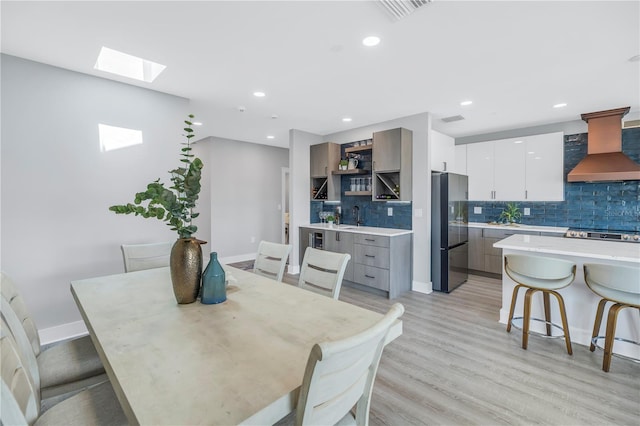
pixel 456 365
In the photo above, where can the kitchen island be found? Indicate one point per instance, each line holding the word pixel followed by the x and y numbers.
pixel 381 258
pixel 580 301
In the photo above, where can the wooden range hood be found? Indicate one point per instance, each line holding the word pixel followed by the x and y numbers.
pixel 605 160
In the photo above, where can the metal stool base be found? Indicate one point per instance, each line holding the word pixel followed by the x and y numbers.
pixel 594 341
pixel 537 333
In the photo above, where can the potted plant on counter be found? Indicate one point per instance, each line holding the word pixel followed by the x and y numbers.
pixel 510 214
pixel 175 206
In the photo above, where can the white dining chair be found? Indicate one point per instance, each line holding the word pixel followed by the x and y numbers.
pixel 340 375
pixel 138 257
pixel 21 404
pixel 65 367
pixel 322 271
pixel 271 260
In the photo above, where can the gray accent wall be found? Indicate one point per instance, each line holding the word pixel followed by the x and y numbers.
pixel 57 185
pixel 246 190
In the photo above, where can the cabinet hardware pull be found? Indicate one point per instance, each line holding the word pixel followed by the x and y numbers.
pixel 325 170
pixel 369 239
pixel 310 239
pixel 445 165
pixel 526 194
pixel 369 255
pixel 369 276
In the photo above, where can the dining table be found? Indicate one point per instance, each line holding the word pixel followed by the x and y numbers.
pixel 237 362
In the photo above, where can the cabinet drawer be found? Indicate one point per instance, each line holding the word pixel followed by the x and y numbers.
pixel 371 255
pixel 372 240
pixel 371 276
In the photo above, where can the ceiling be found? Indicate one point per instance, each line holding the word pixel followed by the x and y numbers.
pixel 513 59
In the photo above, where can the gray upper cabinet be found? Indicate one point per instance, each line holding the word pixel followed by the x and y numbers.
pixel 323 159
pixel 392 158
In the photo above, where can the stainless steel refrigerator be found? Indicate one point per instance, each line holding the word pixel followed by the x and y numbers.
pixel 449 236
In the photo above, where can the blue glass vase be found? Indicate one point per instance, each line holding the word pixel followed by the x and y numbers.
pixel 214 288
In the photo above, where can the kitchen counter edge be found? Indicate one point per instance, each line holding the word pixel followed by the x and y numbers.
pixel 371 230
pixel 540 228
pixel 594 249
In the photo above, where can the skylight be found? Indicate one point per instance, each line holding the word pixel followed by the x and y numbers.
pixel 117 137
pixel 130 66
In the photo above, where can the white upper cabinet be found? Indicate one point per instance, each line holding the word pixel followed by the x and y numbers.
pixel 509 172
pixel 480 166
pixel 460 164
pixel 518 169
pixel 545 167
pixel 443 154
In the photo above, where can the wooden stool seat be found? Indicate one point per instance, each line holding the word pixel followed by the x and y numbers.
pixel 541 274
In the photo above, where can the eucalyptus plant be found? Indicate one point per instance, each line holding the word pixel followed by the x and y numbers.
pixel 176 204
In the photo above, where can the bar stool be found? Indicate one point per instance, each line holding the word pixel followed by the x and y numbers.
pixel 539 274
pixel 617 284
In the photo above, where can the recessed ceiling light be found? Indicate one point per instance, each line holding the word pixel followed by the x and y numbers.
pixel 517 141
pixel 125 65
pixel 561 105
pixel 465 103
pixel 271 137
pixel 346 119
pixel 531 152
pixel 259 94
pixel 371 41
pixel 197 123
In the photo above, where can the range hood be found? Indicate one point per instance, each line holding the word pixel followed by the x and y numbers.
pixel 605 160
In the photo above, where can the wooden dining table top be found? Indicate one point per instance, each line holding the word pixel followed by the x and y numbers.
pixel 238 362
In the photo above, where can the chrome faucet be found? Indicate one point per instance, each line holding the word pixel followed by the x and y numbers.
pixel 356 215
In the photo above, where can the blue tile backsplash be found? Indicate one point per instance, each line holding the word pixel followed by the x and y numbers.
pixel 600 205
pixel 603 205
pixel 372 213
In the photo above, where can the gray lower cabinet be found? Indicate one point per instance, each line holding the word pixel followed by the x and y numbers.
pixel 383 263
pixel 476 249
pixel 486 258
pixel 378 262
pixel 341 242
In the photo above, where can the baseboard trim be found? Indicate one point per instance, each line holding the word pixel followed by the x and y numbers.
pixel 62 332
pixel 422 287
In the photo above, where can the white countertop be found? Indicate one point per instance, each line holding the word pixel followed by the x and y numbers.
pixel 594 249
pixel 539 228
pixel 371 230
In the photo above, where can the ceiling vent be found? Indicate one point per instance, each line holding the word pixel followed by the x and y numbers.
pixel 402 8
pixel 453 118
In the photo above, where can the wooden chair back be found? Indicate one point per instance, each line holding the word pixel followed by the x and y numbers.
pixel 340 375
pixel 18 383
pixel 138 257
pixel 10 292
pixel 322 271
pixel 271 260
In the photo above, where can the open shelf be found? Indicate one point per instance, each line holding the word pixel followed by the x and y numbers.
pixel 385 188
pixel 351 172
pixel 358 193
pixel 360 148
pixel 321 184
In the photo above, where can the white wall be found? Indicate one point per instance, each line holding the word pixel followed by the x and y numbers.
pixel 57 185
pixel 299 191
pixel 419 124
pixel 245 195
